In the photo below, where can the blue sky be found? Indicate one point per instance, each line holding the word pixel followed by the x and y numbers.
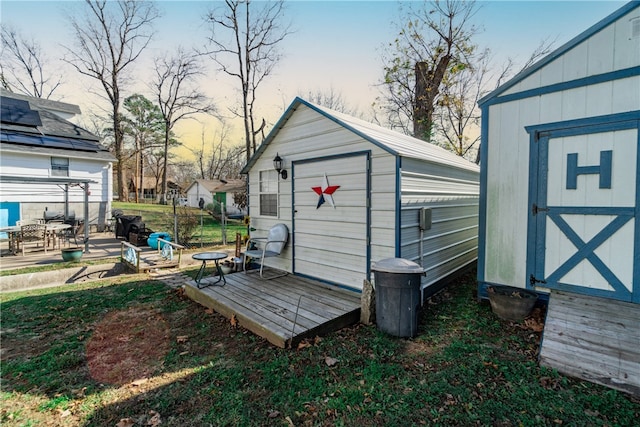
pixel 336 43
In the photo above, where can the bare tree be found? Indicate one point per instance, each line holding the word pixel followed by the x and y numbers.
pixel 24 67
pixel 109 38
pixel 176 97
pixel 249 54
pixel 457 116
pixel 332 99
pixel 215 160
pixel 434 40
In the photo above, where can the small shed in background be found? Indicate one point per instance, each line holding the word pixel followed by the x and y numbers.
pixel 353 193
pixel 217 192
pixel 560 199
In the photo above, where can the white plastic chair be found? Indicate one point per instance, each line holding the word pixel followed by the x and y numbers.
pixel 269 246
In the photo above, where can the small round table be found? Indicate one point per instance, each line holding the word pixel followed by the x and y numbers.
pixel 210 256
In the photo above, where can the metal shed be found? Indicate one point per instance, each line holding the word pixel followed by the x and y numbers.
pixel 559 197
pixel 353 193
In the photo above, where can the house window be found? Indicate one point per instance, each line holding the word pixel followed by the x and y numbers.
pixel 59 166
pixel 269 193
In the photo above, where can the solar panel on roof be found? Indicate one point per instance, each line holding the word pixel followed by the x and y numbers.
pixel 16 111
pixel 52 142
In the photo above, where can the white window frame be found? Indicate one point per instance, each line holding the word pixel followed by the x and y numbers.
pixel 268 192
pixel 60 166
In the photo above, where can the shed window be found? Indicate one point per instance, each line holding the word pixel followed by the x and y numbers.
pixel 59 166
pixel 269 193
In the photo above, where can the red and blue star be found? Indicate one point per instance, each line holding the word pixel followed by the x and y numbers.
pixel 325 193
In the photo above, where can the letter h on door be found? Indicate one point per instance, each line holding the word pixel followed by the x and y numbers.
pixel 603 169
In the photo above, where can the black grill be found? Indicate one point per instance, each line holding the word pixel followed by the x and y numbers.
pixel 126 224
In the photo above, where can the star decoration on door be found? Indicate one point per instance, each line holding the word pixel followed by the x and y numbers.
pixel 325 193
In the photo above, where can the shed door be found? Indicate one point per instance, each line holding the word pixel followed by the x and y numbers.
pixel 330 233
pixel 583 218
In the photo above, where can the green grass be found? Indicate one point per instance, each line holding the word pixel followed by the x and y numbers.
pixel 160 218
pixel 465 367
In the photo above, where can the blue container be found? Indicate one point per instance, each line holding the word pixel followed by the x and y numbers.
pixel 152 241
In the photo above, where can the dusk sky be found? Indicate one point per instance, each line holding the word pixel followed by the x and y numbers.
pixel 336 44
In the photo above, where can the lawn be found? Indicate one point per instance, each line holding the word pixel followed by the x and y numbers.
pixel 206 229
pixel 137 353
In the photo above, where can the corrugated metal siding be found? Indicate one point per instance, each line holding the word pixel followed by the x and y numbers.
pixel 308 135
pixel 452 194
pixel 331 241
pixel 450 244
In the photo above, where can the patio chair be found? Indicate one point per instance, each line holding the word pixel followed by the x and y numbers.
pixel 32 235
pixel 76 230
pixel 270 246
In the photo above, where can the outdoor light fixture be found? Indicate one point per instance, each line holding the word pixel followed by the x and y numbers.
pixel 278 165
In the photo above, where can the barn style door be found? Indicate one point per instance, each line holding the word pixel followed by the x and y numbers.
pixel 330 219
pixel 583 221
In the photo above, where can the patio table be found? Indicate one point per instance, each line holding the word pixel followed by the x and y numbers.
pixel 210 256
pixel 12 233
pixel 54 230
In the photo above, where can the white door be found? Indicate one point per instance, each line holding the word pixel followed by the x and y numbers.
pixel 583 217
pixel 330 219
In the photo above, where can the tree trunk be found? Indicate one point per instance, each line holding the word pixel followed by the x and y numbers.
pixel 427 88
pixel 163 197
pixel 123 195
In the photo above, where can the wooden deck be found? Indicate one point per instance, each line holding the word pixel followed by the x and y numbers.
pixel 595 339
pixel 284 310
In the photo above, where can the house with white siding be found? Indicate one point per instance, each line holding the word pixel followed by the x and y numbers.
pixel 560 198
pixel 352 193
pixel 219 192
pixel 48 163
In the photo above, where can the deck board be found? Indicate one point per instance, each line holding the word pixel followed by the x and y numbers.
pixel 595 339
pixel 283 310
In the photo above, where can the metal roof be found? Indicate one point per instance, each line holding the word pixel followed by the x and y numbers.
pixel 393 142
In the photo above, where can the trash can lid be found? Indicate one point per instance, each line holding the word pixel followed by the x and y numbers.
pixel 397 265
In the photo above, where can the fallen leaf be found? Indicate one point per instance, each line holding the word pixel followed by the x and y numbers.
pixel 330 361
pixel 154 421
pixel 233 320
pixel 209 311
pixel 289 421
pixel 273 414
pixel 534 325
pixel 303 344
pixel 125 422
pixel 182 338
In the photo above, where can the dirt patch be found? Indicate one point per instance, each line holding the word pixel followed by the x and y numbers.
pixel 127 346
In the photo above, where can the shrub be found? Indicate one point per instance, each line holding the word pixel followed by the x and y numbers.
pixel 188 220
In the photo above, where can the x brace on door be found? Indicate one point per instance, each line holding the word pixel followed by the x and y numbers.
pixel 586 249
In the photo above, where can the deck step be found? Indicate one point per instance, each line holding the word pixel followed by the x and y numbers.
pixel 595 339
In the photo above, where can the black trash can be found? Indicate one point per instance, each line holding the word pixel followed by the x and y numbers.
pixel 397 290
